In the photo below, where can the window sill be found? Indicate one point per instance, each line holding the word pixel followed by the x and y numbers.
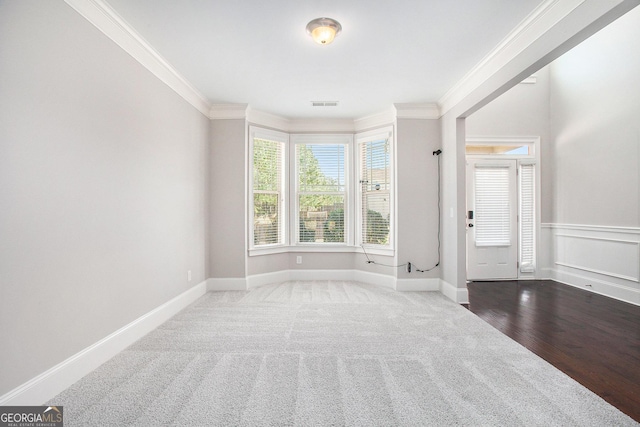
pixel 320 249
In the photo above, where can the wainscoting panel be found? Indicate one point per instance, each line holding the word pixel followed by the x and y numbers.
pixel 605 260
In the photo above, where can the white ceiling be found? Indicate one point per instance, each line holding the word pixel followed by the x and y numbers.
pixel 257 52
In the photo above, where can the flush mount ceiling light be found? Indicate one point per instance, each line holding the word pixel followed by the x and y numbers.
pixel 323 30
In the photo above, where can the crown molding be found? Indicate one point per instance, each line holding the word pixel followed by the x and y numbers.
pixel 417 111
pixel 538 22
pixel 228 111
pixel 375 120
pixel 105 19
pixel 284 124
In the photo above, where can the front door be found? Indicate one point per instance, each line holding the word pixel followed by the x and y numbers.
pixel 492 227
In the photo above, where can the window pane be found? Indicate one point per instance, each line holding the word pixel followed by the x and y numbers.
pixel 527 218
pixel 267 191
pixel 321 218
pixel 375 183
pixel 493 215
pixel 321 167
pixel 502 149
pixel 267 165
pixel 265 219
pixel 376 221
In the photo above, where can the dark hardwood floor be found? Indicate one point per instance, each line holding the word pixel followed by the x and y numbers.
pixel 592 338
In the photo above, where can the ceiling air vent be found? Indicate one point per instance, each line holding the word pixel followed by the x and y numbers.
pixel 324 103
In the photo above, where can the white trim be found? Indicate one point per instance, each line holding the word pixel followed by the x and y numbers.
pixel 459 295
pixel 375 279
pixel 385 118
pixel 600 287
pixel 227 284
pixel 536 24
pixel 228 111
pixel 53 381
pixel 321 125
pixel 103 17
pixel 601 272
pixel 601 228
pixel 260 118
pixel 417 111
pixel 596 267
pixel 266 278
pixel 418 285
pixel 502 139
pixel 309 275
pixel 387 281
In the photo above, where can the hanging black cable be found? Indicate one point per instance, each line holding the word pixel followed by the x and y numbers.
pixel 370 261
pixel 408 264
pixel 436 153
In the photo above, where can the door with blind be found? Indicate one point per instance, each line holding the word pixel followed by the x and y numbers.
pixel 492 219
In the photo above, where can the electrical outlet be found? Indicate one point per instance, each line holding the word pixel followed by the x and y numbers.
pixel 408 267
pixel 189 275
pixel 298 260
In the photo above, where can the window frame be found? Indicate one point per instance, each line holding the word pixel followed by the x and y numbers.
pixel 320 139
pixel 364 137
pixel 289 201
pixel 283 139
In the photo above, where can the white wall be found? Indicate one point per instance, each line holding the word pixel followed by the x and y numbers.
pixel 103 189
pixel 595 106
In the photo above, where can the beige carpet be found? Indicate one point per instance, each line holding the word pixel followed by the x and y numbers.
pixel 330 354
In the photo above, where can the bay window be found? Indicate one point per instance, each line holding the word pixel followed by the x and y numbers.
pixel 320 192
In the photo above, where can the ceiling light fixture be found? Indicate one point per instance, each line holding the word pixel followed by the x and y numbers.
pixel 323 30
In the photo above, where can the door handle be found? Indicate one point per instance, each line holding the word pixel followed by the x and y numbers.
pixel 470 225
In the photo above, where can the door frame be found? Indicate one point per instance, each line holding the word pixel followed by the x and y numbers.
pixel 534 143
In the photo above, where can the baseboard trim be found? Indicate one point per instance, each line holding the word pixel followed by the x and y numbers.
pixel 53 381
pixel 383 280
pixel 253 281
pixel 455 294
pixel 418 285
pixel 321 275
pixel 227 284
pixel 601 287
pixel 375 279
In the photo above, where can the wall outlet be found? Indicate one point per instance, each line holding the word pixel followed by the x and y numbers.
pixel 189 275
pixel 298 260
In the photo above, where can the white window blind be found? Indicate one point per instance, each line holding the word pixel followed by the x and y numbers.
pixel 527 218
pixel 267 170
pixel 375 186
pixel 492 215
pixel 321 192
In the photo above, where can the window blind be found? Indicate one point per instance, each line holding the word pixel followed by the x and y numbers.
pixel 527 218
pixel 375 184
pixel 267 191
pixel 321 192
pixel 492 213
